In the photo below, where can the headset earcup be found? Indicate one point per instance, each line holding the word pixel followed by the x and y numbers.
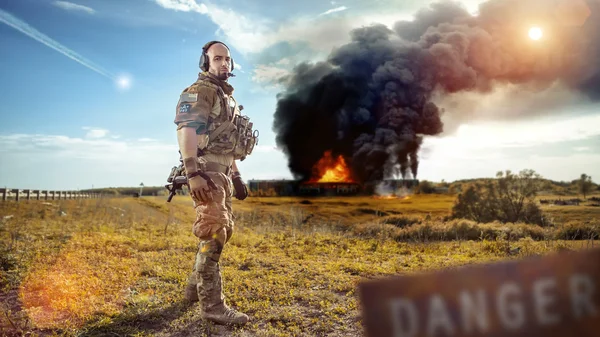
pixel 232 65
pixel 203 62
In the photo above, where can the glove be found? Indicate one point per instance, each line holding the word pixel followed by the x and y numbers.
pixel 200 185
pixel 241 191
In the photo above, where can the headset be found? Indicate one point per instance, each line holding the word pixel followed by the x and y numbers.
pixel 204 57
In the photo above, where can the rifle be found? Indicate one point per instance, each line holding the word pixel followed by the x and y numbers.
pixel 176 180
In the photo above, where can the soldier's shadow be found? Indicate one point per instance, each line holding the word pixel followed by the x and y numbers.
pixel 177 320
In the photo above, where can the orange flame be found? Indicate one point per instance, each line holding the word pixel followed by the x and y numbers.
pixel 330 170
pixel 391 196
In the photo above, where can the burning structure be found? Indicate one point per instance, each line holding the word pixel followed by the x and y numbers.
pixel 330 177
pixel 296 187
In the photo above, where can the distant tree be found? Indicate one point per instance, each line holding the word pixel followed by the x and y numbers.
pixel 547 186
pixel 585 185
pixel 508 198
pixel 424 187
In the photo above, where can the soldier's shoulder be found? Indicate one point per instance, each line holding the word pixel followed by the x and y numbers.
pixel 199 92
pixel 201 86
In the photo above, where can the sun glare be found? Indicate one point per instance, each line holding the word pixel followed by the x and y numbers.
pixel 535 33
pixel 124 82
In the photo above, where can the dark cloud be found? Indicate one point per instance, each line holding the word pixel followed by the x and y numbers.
pixel 374 99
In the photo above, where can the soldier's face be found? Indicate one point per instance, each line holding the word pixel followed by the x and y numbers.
pixel 219 61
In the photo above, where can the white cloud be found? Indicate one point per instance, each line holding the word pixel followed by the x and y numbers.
pixel 269 74
pixel 74 162
pixel 242 32
pixel 245 33
pixel 283 62
pixel 183 5
pixel 253 34
pixel 333 10
pixel 450 167
pixel 480 150
pixel 95 132
pixel 73 7
pixel 582 148
pixel 543 131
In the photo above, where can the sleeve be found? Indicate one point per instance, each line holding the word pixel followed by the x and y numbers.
pixel 194 108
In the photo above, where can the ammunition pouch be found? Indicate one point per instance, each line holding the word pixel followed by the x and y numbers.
pixel 235 137
pixel 246 137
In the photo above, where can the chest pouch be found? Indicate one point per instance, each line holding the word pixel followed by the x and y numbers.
pixel 246 137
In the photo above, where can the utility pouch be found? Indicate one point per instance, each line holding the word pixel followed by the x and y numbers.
pixel 246 138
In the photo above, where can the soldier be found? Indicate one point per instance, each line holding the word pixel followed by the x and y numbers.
pixel 210 143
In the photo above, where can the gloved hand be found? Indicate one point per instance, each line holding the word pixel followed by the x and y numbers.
pixel 241 190
pixel 200 183
pixel 200 187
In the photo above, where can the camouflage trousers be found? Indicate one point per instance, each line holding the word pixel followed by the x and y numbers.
pixel 213 227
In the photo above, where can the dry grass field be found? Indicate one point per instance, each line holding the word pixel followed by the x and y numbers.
pixel 118 266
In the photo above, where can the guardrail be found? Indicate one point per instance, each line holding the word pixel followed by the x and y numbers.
pixel 18 194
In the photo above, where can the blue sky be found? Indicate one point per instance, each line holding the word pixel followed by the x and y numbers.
pixel 67 124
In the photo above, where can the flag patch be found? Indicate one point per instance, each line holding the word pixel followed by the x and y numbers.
pixel 185 97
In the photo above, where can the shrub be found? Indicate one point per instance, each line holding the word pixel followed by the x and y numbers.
pixel 424 187
pixel 578 231
pixel 509 198
pixel 462 229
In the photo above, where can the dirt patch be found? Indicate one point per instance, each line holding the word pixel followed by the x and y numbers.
pixel 13 321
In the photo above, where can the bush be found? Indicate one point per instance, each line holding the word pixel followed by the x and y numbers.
pixel 578 231
pixel 509 198
pixel 462 229
pixel 424 187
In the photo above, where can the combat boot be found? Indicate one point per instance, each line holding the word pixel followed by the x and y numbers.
pixel 222 314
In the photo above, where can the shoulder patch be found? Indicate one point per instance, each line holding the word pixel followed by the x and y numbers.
pixel 184 108
pixel 187 97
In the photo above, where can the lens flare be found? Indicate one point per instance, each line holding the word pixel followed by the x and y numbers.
pixel 535 33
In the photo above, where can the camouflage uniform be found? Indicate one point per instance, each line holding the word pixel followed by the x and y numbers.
pixel 205 106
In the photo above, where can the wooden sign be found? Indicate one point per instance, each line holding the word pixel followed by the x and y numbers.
pixel 556 295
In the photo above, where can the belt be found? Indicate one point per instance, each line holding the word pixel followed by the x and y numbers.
pixel 216 167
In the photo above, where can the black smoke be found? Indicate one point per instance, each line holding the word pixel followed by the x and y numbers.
pixel 371 100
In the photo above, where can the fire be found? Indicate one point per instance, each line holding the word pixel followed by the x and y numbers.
pixel 391 196
pixel 330 170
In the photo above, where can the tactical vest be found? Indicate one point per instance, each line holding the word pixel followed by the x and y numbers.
pixel 229 133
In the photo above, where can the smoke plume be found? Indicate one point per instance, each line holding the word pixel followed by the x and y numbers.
pixel 372 100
